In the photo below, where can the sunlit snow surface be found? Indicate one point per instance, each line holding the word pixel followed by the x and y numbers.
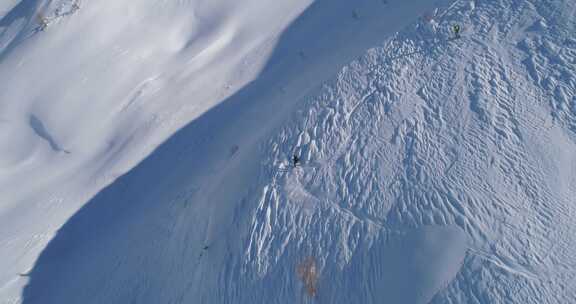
pixel 145 146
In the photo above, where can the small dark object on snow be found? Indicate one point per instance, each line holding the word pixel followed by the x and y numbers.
pixel 206 247
pixel 295 160
pixel 456 30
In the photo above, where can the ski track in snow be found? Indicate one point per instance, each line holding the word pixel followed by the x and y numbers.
pixel 434 170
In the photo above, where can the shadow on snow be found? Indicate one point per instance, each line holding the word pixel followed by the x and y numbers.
pixel 134 219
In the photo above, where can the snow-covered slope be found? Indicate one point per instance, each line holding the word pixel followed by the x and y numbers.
pixel 89 97
pixel 145 152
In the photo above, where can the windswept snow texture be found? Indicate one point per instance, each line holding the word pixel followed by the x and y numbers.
pixel 434 169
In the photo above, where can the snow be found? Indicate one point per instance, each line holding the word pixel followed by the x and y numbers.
pixel 145 151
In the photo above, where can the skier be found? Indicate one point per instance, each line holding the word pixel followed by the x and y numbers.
pixel 456 30
pixel 295 160
pixel 75 6
pixel 42 22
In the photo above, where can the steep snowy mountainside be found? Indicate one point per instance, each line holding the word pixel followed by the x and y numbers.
pixel 433 170
pixel 88 97
pixel 475 133
pixel 107 65
pixel 92 88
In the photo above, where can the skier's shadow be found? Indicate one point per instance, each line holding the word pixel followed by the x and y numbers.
pixel 100 249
